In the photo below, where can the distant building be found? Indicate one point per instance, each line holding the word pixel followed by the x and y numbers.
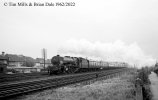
pixel 15 60
pixel 3 58
pixel 18 60
pixel 3 63
pixel 40 62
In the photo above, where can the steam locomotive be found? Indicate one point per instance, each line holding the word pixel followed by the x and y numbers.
pixel 69 64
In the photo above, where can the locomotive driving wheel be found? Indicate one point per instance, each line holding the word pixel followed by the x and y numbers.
pixel 73 69
pixel 69 69
pixel 65 69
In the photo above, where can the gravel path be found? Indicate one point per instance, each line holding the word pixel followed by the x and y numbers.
pixel 154 85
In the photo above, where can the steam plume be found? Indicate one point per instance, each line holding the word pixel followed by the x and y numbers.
pixel 116 51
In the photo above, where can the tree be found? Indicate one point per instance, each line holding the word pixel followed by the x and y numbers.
pixel 28 64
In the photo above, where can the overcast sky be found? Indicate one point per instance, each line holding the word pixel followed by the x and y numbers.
pixel 26 30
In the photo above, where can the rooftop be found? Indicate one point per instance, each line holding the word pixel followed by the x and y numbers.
pixel 3 57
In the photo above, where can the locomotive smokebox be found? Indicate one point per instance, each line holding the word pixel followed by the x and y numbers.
pixel 56 60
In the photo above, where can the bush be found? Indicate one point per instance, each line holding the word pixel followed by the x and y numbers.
pixel 156 71
pixel 28 64
pixel 145 82
pixel 143 75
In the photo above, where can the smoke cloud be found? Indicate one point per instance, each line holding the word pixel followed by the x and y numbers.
pixel 116 51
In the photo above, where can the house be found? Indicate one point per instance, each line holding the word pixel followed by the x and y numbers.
pixel 15 60
pixel 19 60
pixel 3 63
pixel 40 62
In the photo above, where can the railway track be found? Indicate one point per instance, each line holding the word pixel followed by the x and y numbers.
pixel 21 76
pixel 7 78
pixel 12 89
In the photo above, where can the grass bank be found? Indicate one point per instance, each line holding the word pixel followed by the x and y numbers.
pixel 121 87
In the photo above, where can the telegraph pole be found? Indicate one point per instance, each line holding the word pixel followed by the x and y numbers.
pixel 44 56
pixel 44 53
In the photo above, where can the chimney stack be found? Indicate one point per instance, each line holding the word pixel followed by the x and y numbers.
pixel 3 53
